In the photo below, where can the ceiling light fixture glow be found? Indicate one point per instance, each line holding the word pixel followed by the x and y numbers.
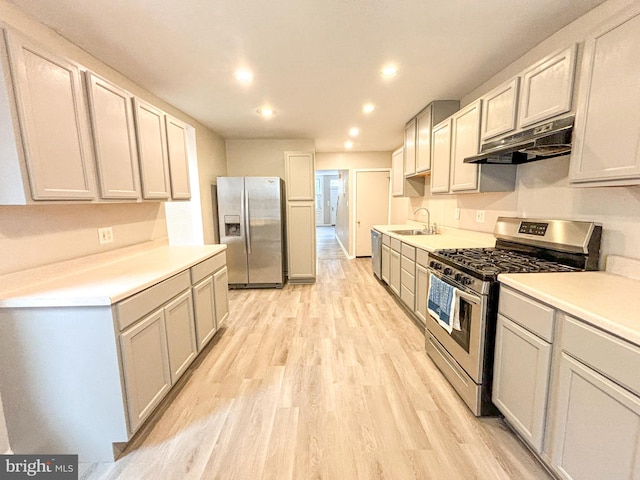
pixel 348 144
pixel 389 71
pixel 354 131
pixel 368 108
pixel 266 112
pixel 243 76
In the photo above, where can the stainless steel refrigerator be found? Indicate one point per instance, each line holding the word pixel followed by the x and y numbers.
pixel 251 224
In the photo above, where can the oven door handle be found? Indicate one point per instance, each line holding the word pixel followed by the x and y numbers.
pixel 469 297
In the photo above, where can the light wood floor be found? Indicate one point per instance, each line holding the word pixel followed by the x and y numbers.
pixel 318 381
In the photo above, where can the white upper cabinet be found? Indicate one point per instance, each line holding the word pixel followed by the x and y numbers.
pixel 49 147
pixel 178 158
pixel 423 139
pixel 152 151
pixel 299 176
pixel 606 137
pixel 465 140
pixel 410 147
pixel 547 88
pixel 441 157
pixel 114 139
pixel 499 110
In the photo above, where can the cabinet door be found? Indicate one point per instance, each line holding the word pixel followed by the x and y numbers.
pixel 385 264
pixel 521 378
pixel 301 225
pixel 54 124
pixel 114 139
pixel 597 426
pixel 547 88
pixel 440 167
pixel 422 289
pixel 423 139
pixel 178 158
pixel 397 173
pixel 499 110
pixel 394 272
pixel 204 311
pixel 181 335
pixel 145 364
pixel 152 150
pixel 410 148
pixel 221 294
pixel 299 175
pixel 465 140
pixel 606 137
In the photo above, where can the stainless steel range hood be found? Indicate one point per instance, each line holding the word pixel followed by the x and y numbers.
pixel 549 140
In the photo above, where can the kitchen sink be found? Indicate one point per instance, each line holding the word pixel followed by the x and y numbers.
pixel 412 232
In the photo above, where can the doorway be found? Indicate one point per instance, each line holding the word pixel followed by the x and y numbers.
pixel 371 206
pixel 327 182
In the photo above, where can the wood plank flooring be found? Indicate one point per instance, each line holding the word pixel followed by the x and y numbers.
pixel 324 381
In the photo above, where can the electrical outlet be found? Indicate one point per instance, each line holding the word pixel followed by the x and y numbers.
pixel 480 216
pixel 105 235
pixel 457 214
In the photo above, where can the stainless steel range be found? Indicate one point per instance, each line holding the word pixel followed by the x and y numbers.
pixel 464 353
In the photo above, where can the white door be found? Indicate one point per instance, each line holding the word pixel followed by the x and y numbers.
pixel 319 201
pixel 372 206
pixel 333 198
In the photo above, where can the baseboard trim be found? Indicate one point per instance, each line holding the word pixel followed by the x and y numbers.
pixel 344 250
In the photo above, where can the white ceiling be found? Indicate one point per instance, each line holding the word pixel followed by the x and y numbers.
pixel 316 62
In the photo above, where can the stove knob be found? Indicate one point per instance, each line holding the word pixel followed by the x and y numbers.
pixel 432 264
pixel 448 271
pixel 438 266
pixel 467 281
pixel 458 277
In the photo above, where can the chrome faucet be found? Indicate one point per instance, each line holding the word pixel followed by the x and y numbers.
pixel 429 229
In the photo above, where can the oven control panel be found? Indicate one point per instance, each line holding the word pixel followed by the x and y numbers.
pixel 533 228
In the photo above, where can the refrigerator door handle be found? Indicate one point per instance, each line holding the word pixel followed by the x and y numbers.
pixel 247 223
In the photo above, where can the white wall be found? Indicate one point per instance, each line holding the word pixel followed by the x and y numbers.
pixel 261 157
pixel 542 188
pixel 343 214
pixel 4 437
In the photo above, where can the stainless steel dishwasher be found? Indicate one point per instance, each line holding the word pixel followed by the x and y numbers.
pixel 376 253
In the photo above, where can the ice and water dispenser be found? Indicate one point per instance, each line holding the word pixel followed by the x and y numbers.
pixel 232 225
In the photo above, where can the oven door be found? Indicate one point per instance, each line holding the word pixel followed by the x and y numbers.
pixel 466 345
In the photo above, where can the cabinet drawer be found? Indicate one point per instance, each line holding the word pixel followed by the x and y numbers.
pixel 396 245
pixel 408 280
pixel 133 308
pixel 207 267
pixel 409 251
pixel 408 265
pixel 422 258
pixel 613 357
pixel 408 297
pixel 528 313
pixel 386 240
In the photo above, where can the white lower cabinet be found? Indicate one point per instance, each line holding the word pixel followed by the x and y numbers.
pixel 221 290
pixel 521 379
pixel 145 366
pixel 422 289
pixel 385 264
pixel 205 311
pixel 597 434
pixel 181 335
pixel 394 269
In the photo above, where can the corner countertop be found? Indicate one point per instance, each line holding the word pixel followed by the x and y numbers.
pixel 446 238
pixel 610 302
pixel 101 279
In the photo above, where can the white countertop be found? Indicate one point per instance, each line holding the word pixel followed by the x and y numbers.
pixel 447 238
pixel 102 279
pixel 610 302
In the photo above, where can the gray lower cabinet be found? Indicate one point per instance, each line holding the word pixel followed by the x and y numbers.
pixel 521 379
pixel 145 366
pixel 221 290
pixel 205 311
pixel 408 276
pixel 385 264
pixel 422 285
pixel 395 266
pixel 596 433
pixel 181 335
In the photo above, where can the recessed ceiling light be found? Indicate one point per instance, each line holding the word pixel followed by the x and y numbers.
pixel 266 112
pixel 353 132
pixel 243 76
pixel 389 71
pixel 348 144
pixel 368 108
